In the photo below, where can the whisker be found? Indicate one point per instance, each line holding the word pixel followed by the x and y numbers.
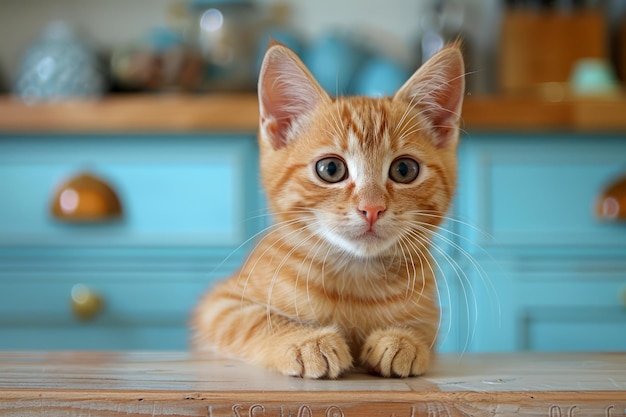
pixel 423 255
pixel 412 279
pixel 407 110
pixel 492 292
pixel 280 266
pixel 482 273
pixel 406 264
pixel 258 259
pixel 317 246
pixel 267 230
pixel 463 280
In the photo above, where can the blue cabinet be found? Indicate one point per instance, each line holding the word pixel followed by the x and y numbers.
pixel 551 276
pixel 525 264
pixel 190 203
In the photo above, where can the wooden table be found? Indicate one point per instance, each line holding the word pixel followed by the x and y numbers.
pixel 184 384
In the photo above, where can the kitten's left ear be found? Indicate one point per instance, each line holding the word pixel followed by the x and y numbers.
pixel 437 89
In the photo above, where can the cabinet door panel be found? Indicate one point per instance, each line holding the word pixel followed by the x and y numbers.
pixel 527 208
pixel 536 191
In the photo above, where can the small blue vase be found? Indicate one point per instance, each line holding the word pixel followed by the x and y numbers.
pixel 379 77
pixel 60 65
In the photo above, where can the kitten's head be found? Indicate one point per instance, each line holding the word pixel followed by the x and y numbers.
pixel 368 176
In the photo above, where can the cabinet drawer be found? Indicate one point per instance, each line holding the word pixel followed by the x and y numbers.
pixel 551 303
pixel 95 337
pixel 129 298
pixel 141 298
pixel 540 191
pixel 187 190
pixel 574 329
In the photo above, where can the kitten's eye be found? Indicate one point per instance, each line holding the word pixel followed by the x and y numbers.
pixel 331 169
pixel 404 170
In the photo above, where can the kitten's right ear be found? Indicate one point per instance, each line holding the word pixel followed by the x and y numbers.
pixel 438 87
pixel 288 94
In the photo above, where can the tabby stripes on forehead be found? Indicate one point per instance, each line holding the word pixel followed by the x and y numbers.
pixel 368 123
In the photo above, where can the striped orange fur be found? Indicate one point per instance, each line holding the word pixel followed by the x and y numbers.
pixel 356 186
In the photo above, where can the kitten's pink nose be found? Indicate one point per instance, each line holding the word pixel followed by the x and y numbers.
pixel 371 213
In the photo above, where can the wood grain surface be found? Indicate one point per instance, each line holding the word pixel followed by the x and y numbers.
pixel 186 384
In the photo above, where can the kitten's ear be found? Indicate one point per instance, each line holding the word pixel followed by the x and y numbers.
pixel 288 93
pixel 437 89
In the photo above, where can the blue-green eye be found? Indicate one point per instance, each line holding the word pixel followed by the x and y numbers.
pixel 404 170
pixel 331 169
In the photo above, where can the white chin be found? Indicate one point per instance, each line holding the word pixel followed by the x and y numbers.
pixel 365 247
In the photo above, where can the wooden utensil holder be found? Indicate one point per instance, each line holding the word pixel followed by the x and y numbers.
pixel 538 47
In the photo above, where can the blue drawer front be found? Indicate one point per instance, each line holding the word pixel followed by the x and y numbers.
pixel 187 191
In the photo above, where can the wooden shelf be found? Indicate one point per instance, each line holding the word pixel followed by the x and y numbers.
pixel 186 384
pixel 134 113
pixel 239 112
pixel 530 114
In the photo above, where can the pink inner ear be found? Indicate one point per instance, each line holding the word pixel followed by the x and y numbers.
pixel 277 123
pixel 273 129
pixel 445 115
pixel 437 88
pixel 287 95
pixel 446 101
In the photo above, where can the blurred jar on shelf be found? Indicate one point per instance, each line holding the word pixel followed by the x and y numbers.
pixel 60 64
pixel 226 32
pixel 162 60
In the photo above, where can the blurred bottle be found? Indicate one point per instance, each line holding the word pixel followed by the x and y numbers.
pixel 225 32
pixel 2 83
pixel 277 26
pixel 441 23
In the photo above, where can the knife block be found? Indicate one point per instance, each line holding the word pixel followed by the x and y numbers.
pixel 539 47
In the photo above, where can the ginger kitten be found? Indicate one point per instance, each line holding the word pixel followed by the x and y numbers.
pixel 356 186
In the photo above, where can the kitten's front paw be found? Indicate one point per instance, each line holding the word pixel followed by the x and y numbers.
pixel 396 353
pixel 317 353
